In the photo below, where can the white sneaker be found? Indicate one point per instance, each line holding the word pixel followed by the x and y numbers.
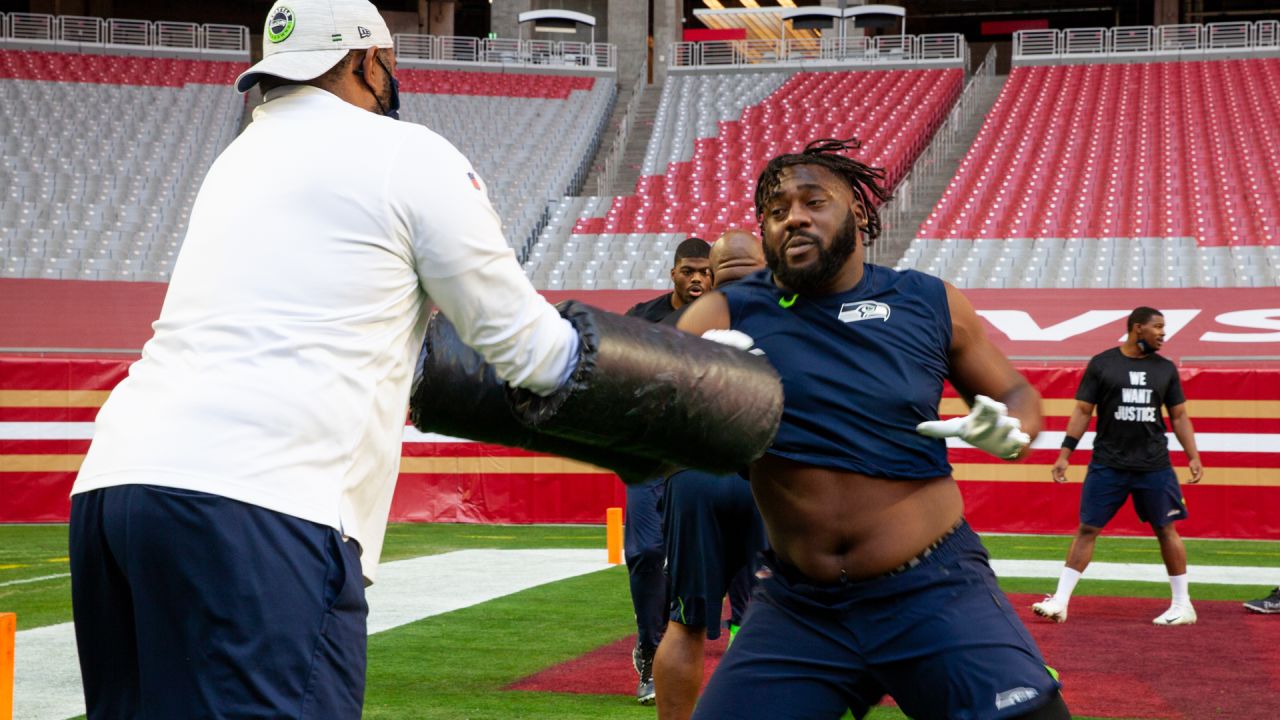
pixel 1051 608
pixel 1177 615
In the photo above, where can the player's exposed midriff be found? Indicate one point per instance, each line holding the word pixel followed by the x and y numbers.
pixel 824 521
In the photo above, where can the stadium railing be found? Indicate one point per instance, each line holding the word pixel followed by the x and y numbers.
pixel 947 49
pixel 504 51
pixel 78 33
pixel 1186 41
pixel 604 181
pixel 928 166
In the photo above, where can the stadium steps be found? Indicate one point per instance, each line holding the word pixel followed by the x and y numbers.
pixel 624 182
pixel 610 136
pixel 929 191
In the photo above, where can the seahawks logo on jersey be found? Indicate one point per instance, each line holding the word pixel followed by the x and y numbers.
pixel 865 310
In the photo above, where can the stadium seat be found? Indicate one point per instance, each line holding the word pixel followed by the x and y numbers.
pixel 1165 157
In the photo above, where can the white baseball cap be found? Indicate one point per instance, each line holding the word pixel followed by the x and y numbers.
pixel 304 39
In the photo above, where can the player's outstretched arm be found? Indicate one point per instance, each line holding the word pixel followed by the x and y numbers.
pixel 1187 437
pixel 979 368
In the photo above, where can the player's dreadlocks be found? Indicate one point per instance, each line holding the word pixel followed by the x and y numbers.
pixel 863 180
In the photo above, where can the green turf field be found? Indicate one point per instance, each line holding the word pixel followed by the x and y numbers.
pixel 455 665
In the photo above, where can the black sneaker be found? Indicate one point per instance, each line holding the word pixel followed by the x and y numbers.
pixel 1269 605
pixel 642 660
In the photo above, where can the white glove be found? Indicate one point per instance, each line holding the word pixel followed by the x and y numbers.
pixel 732 338
pixel 986 427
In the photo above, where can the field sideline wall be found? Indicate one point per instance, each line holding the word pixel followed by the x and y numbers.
pixel 48 400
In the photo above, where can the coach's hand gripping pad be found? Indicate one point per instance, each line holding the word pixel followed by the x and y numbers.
pixel 458 394
pixel 649 390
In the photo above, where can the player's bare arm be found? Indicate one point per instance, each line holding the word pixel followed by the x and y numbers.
pixel 1077 424
pixel 1187 437
pixel 710 312
pixel 979 368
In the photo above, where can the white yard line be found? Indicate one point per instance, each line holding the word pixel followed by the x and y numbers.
pixel 409 590
pixel 24 581
pixel 1206 574
pixel 47 672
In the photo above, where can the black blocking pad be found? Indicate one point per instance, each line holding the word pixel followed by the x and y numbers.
pixel 458 394
pixel 649 390
pixel 643 399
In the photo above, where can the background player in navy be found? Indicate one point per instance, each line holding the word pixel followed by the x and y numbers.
pixel 712 532
pixel 875 584
pixel 690 277
pixel 643 531
pixel 1128 385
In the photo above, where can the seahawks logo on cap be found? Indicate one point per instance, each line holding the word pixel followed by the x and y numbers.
pixel 280 24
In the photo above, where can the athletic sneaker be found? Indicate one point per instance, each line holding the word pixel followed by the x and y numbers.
pixel 1177 615
pixel 1269 605
pixel 1050 608
pixel 642 660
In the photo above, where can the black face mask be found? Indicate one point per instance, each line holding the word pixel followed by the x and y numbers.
pixel 392 110
pixel 1144 348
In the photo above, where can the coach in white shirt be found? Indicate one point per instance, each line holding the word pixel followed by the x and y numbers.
pixel 239 481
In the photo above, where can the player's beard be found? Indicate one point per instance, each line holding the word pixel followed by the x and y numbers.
pixel 816 276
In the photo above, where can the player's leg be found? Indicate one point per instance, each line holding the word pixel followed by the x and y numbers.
pixel 1157 499
pixel 695 541
pixel 103 608
pixel 739 596
pixel 241 611
pixel 1105 490
pixel 645 557
pixel 786 664
pixel 677 670
pixel 949 643
pixel 745 540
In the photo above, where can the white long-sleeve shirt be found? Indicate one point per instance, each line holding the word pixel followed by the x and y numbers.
pixel 280 367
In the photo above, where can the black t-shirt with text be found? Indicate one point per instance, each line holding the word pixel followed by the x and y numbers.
pixel 653 310
pixel 1129 393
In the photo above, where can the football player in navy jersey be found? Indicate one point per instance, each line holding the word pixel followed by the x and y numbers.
pixel 875 585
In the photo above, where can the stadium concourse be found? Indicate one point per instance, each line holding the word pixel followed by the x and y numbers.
pixel 1117 167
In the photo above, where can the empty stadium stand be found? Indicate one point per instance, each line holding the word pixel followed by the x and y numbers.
pixel 531 137
pixel 712 135
pixel 1119 174
pixel 101 157
pixel 1185 149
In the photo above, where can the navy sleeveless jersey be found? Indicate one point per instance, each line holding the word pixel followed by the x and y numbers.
pixel 859 369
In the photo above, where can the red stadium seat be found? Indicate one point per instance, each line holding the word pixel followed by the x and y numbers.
pixel 893 112
pixel 1187 149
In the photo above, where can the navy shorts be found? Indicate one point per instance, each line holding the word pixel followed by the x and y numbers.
pixel 192 605
pixel 712 530
pixel 642 548
pixel 1157 497
pixel 941 638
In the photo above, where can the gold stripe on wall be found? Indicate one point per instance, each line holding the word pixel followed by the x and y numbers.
pixel 1242 409
pixel 506 465
pixel 40 463
pixel 1017 472
pixel 53 398
pixel 499 464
